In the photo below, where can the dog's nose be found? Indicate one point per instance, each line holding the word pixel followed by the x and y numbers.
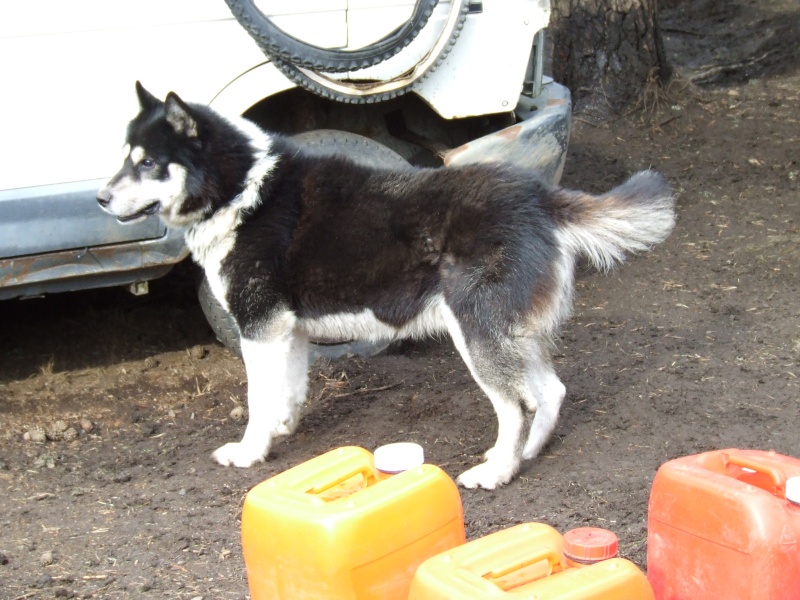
pixel 104 197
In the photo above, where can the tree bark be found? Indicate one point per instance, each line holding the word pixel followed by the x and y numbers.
pixel 607 52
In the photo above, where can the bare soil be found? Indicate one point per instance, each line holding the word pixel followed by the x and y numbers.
pixel 112 404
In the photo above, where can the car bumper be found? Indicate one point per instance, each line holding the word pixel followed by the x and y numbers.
pixel 56 239
pixel 537 141
pixel 100 266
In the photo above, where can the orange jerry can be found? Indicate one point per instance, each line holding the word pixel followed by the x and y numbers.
pixel 532 561
pixel 725 524
pixel 336 527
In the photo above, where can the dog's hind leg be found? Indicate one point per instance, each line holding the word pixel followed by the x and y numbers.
pixel 548 394
pixel 498 366
pixel 277 380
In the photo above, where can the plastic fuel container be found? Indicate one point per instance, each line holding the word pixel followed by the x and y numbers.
pixel 532 561
pixel 337 527
pixel 725 524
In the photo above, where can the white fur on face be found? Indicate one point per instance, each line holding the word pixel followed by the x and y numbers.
pixel 130 196
pixel 172 205
pixel 137 154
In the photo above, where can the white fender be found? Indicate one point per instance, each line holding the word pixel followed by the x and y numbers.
pixel 250 88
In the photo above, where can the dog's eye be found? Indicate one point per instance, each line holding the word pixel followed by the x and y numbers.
pixel 147 164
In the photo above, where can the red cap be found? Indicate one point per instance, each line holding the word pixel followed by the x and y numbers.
pixel 590 544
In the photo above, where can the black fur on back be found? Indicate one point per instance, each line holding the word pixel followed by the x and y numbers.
pixel 332 236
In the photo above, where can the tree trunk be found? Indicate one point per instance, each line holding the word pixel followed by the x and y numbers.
pixel 607 52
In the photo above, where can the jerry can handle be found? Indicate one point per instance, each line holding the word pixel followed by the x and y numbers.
pixel 551 555
pixel 364 470
pixel 777 475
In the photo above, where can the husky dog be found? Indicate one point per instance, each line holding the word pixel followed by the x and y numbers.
pixel 297 246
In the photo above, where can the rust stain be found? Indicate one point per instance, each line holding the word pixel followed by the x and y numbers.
pixel 510 133
pixel 555 102
pixel 13 271
pixel 108 252
pixel 454 153
pixel 17 270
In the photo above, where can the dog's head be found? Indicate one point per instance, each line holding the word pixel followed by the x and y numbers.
pixel 159 174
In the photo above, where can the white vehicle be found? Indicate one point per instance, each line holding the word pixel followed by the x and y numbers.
pixel 431 83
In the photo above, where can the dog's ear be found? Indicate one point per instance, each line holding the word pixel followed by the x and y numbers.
pixel 179 115
pixel 146 99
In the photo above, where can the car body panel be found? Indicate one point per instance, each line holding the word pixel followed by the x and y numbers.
pixel 69 95
pixel 63 217
pixel 538 141
pixel 83 268
pixel 69 90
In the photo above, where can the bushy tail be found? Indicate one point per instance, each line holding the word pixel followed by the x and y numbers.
pixel 630 218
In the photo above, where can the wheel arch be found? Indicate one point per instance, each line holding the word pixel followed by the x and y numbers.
pixel 250 88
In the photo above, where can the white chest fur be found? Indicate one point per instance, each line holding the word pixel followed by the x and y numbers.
pixel 210 242
pixel 213 239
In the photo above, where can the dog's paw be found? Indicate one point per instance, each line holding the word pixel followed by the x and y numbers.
pixel 238 455
pixel 491 454
pixel 529 453
pixel 485 475
pixel 285 427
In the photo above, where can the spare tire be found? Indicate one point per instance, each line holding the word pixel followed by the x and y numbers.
pixel 285 48
pixel 222 324
pixel 367 91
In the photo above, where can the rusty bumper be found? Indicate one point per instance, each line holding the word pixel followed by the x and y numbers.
pixel 537 141
pixel 100 266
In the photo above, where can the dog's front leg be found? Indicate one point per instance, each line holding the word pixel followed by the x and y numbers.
pixel 277 380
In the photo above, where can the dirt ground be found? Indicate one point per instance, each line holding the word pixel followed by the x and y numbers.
pixel 112 404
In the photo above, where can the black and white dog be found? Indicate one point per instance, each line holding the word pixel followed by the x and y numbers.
pixel 296 246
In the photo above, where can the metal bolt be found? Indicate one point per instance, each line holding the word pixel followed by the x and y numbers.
pixel 139 288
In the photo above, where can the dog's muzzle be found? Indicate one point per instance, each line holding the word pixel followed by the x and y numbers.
pixel 148 210
pixel 104 197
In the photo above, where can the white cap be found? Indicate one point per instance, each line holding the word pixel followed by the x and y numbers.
pixel 792 492
pixel 399 457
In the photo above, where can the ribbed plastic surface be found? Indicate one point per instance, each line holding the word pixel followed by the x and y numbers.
pixel 720 526
pixel 333 528
pixel 588 545
pixel 525 562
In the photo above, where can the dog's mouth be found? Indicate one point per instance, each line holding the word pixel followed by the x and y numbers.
pixel 148 210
